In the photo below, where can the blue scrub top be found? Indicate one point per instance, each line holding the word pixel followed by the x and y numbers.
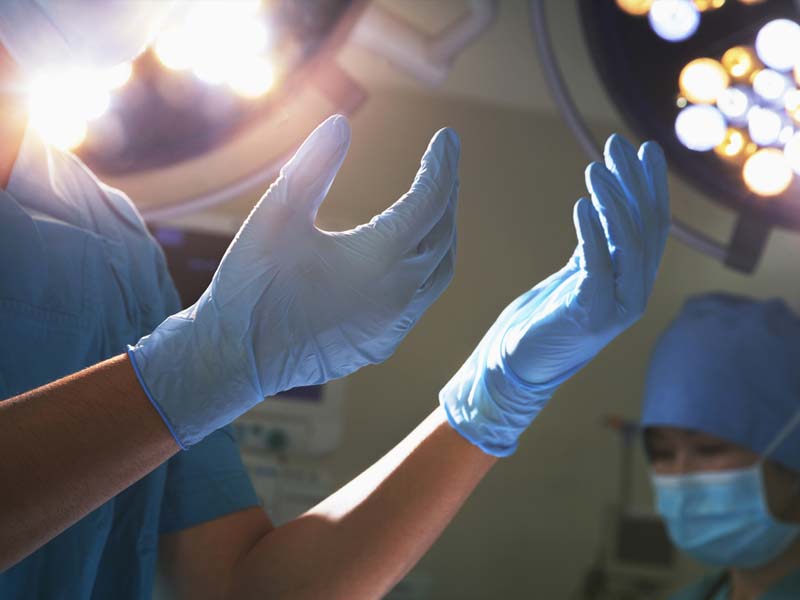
pixel 787 588
pixel 80 278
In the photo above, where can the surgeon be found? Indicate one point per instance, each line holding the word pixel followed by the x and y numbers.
pixel 721 412
pixel 115 453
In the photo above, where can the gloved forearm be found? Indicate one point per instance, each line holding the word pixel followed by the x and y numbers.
pixel 549 333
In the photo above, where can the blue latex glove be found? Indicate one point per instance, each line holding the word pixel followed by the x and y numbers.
pixel 291 305
pixel 547 334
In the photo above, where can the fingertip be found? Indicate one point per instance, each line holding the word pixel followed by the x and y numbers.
pixel 452 137
pixel 618 143
pixel 331 137
pixel 652 153
pixel 341 126
pixel 619 151
pixel 446 141
pixel 595 174
pixel 585 218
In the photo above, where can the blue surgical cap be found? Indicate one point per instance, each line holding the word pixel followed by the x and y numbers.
pixel 729 366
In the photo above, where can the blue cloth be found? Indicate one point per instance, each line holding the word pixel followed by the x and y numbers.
pixel 787 588
pixel 728 366
pixel 80 278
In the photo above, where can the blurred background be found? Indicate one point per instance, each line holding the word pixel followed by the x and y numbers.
pixel 543 523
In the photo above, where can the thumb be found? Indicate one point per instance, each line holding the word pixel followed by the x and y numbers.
pixel 305 180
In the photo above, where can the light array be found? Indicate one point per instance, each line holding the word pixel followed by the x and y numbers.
pixel 745 106
pixel 220 42
pixel 61 104
pixel 674 20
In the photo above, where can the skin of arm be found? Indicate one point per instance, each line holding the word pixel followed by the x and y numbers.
pixel 70 446
pixel 81 440
pixel 357 543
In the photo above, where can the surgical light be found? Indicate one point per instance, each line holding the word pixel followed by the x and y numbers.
pixel 764 125
pixel 635 7
pixel 674 20
pixel 767 172
pixel 252 77
pixel 703 80
pixel 733 103
pixel 273 65
pixel 785 135
pixel 220 42
pixel 740 61
pixel 62 131
pixel 700 127
pixel 792 152
pixel 710 125
pixel 707 5
pixel 791 102
pixel 60 104
pixel 116 77
pixel 771 85
pixel 778 44
pixel 733 145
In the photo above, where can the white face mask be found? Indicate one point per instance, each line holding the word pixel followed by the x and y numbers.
pixel 51 34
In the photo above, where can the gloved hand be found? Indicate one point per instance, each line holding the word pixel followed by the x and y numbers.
pixel 546 335
pixel 291 305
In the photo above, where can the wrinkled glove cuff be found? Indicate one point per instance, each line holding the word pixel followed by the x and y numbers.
pixel 146 390
pixel 489 405
pixel 189 377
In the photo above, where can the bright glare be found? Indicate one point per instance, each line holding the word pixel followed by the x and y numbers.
pixel 65 132
pixel 733 102
pixel 705 5
pixel 703 80
pixel 252 77
pixel 700 127
pixel 115 77
pixel 792 152
pixel 61 103
pixel 767 172
pixel 785 135
pixel 763 125
pixel 770 85
pixel 174 48
pixel 674 20
pixel 739 61
pixel 778 44
pixel 635 7
pixel 221 43
pixel 792 104
pixel 733 144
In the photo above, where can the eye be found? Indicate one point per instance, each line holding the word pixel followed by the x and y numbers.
pixel 660 454
pixel 712 449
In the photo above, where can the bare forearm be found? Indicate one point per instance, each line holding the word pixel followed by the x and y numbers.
pixel 364 538
pixel 69 446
